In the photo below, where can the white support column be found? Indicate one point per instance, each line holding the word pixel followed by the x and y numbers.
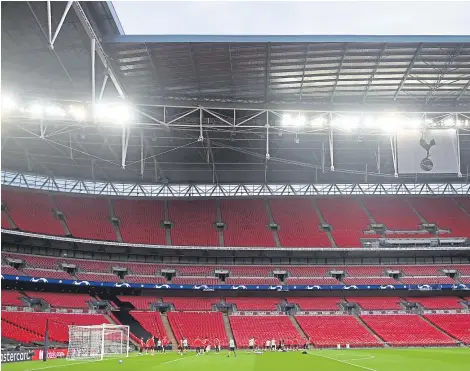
pixel 49 23
pixel 103 86
pixel 394 154
pixel 102 341
pixel 61 22
pixel 268 156
pixel 330 140
pixel 458 147
pixel 201 137
pixel 142 159
pixel 93 80
pixel 42 128
pixel 378 157
pixel 127 345
pixel 125 144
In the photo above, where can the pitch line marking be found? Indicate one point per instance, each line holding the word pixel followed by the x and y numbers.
pixel 345 362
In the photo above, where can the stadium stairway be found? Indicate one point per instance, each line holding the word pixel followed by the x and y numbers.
pixel 322 220
pixel 440 329
pixel 298 327
pixel 169 330
pixel 228 327
pixel 372 332
pixel 126 318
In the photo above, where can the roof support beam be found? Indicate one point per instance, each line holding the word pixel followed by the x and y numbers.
pixel 126 131
pixel 99 48
pixel 303 72
pixel 467 85
pixel 61 22
pixel 339 73
pixel 376 67
pixel 408 71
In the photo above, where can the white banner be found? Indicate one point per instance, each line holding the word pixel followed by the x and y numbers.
pixel 433 151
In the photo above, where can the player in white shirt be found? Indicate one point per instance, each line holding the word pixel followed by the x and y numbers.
pixel 251 344
pixel 159 345
pixel 231 347
pixel 268 344
pixel 185 345
pixel 273 344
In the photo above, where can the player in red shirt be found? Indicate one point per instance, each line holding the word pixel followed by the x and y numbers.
pixel 151 345
pixel 141 345
pixel 288 344
pixel 164 344
pixel 295 344
pixel 205 344
pixel 198 345
pixel 217 345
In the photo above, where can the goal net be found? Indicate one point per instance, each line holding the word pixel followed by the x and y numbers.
pixel 97 342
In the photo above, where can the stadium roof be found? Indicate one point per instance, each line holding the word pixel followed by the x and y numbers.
pixel 169 80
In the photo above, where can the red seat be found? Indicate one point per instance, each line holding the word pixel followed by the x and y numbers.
pixel 12 298
pixel 261 304
pixel 139 302
pixel 188 304
pixel 457 325
pixel 377 303
pixel 437 302
pixel 61 300
pixel 151 322
pixel 317 304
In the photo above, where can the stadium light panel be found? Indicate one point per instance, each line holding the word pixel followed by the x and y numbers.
pixel 8 104
pixel 369 122
pixel 346 123
pixel 415 123
pixel 36 110
pixel 300 121
pixel 78 113
pixel 119 113
pixel 318 122
pixel 286 120
pixel 54 111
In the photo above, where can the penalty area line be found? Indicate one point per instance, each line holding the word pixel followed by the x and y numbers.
pixel 63 365
pixel 345 362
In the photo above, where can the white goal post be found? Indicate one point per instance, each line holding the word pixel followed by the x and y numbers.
pixel 98 341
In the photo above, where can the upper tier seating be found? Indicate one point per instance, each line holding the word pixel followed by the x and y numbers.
pixel 419 270
pixel 445 213
pixel 45 273
pixel 5 223
pixel 299 223
pixel 193 325
pixel 406 330
pixel 262 328
pixel 246 223
pixel 87 217
pixel 100 277
pixel 347 218
pixel 262 304
pixel 61 300
pixel 249 270
pixel 308 271
pixel 313 281
pixel 376 303
pixel 364 270
pixel 465 280
pixel 178 280
pixel 457 325
pixel 396 213
pixel 145 279
pixel 316 304
pixel 151 322
pixel 11 298
pixel 193 223
pixel 140 221
pixel 437 302
pixel 252 281
pixel 190 303
pixel 58 325
pixel 139 302
pixel 6 269
pixel 370 281
pixel 328 331
pixel 26 209
pixel 443 280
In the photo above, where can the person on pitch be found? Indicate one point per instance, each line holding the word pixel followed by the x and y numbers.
pixel 231 348
pixel 206 344
pixel 159 345
pixel 141 345
pixel 268 345
pixel 273 344
pixel 181 347
pixel 251 345
pixel 164 344
pixel 185 345
pixel 150 344
pixel 198 344
pixel 217 345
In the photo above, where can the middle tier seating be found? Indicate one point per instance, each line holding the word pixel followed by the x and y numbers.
pixel 47 273
pixel 259 304
pixel 328 331
pixel 62 300
pixel 406 330
pixel 99 277
pixel 139 302
pixel 12 298
pixel 191 304
pixel 151 322
pixel 370 281
pixel 192 325
pixel 262 328
pixel 437 302
pixel 316 304
pixel 252 281
pixel 377 303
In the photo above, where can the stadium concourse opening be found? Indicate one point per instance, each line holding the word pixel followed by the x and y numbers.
pixel 235 199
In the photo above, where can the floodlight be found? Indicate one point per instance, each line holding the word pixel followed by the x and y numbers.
pixel 415 123
pixel 286 120
pixel 54 111
pixel 449 122
pixel 317 122
pixel 8 104
pixel 117 113
pixel 36 110
pixel 369 122
pixel 459 123
pixel 78 113
pixel 300 121
pixel 346 123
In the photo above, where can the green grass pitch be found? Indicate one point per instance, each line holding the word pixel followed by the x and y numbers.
pixel 420 359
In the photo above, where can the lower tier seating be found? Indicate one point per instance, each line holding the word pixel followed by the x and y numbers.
pixel 457 325
pixel 328 331
pixel 11 298
pixel 262 328
pixel 151 322
pixel 35 322
pixel 407 330
pixel 191 325
pixel 20 334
